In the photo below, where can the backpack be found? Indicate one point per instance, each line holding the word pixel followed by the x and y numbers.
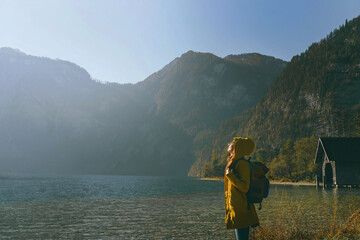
pixel 259 183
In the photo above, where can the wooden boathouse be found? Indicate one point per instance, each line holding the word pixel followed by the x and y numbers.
pixel 340 161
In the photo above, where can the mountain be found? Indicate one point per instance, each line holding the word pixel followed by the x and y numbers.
pixel 55 118
pixel 198 91
pixel 318 93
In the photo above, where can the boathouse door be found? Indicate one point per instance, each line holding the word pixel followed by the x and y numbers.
pixel 328 176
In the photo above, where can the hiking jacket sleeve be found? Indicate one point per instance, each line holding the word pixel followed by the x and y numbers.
pixel 239 176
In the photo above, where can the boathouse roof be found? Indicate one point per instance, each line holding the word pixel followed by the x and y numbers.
pixel 339 149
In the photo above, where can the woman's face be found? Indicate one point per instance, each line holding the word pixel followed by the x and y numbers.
pixel 230 147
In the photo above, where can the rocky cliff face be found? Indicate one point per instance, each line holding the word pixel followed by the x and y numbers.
pixel 318 92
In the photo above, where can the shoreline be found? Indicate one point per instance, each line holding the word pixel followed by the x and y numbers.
pixel 293 183
pixel 212 178
pixel 271 182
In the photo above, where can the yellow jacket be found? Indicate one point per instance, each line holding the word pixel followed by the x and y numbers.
pixel 236 184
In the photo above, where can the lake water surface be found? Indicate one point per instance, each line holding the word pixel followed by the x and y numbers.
pixel 133 207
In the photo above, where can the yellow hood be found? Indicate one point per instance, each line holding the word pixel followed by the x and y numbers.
pixel 243 147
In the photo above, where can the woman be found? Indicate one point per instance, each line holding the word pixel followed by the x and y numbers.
pixel 239 214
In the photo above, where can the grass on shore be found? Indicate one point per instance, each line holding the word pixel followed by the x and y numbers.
pixel 289 222
pixel 349 229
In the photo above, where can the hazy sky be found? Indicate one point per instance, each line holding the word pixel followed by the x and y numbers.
pixel 126 41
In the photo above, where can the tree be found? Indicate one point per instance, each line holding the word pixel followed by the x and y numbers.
pixel 278 168
pixel 266 155
pixel 304 154
pixel 287 154
pixel 283 165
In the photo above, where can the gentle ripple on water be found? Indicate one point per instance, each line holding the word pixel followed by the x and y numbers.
pixel 119 207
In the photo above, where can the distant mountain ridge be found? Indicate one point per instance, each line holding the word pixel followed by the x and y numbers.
pixel 55 118
pixel 254 59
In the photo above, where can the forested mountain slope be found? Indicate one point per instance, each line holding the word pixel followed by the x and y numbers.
pixel 318 93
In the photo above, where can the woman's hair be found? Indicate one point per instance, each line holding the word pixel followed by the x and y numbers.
pixel 230 161
pixel 230 158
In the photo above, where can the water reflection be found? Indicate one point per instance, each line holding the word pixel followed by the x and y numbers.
pixel 119 207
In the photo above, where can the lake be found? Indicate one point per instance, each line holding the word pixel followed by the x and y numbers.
pixel 135 207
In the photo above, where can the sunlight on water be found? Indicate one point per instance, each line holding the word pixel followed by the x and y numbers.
pixel 124 207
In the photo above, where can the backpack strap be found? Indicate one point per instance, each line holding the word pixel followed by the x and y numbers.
pixel 237 160
pixel 248 160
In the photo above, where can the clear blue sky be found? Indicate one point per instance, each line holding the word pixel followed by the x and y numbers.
pixel 126 41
